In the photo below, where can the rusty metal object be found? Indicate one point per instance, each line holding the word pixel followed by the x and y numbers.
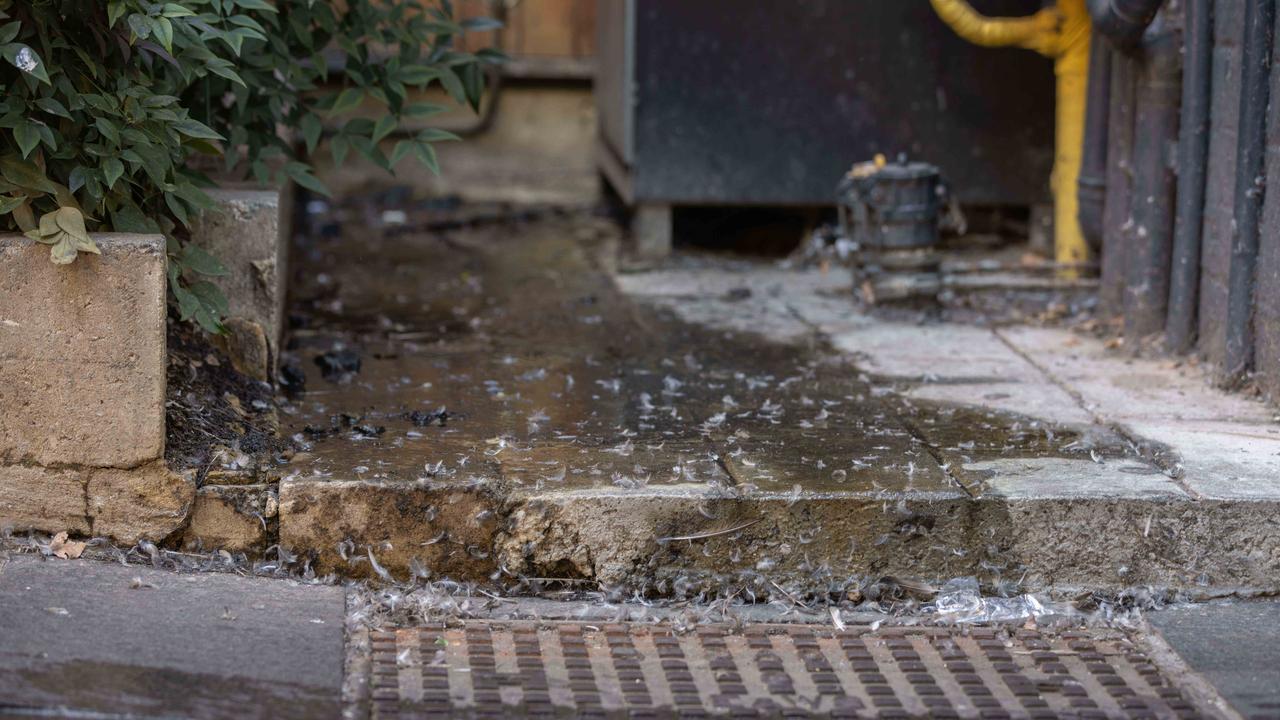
pixel 528 669
pixel 891 212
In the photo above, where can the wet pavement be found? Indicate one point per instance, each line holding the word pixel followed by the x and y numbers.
pixel 514 415
pixel 104 640
pixel 507 352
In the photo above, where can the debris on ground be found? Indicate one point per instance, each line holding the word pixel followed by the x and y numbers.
pixel 338 366
pixel 214 414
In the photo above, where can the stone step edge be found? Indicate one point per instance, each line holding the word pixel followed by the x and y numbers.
pixel 481 531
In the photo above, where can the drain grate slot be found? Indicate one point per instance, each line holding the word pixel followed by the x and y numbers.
pixel 559 669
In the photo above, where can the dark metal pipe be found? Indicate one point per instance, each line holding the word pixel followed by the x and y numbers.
pixel 1091 187
pixel 1150 244
pixel 1255 82
pixel 1193 160
pixel 1116 215
pixel 1123 21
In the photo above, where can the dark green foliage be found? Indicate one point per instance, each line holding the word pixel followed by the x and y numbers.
pixel 104 105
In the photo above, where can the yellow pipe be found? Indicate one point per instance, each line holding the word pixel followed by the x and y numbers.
pixel 1061 33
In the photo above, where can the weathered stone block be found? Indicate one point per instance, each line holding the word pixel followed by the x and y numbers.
pixel 149 502
pixel 447 528
pixel 243 231
pixel 36 498
pixel 82 353
pixel 231 517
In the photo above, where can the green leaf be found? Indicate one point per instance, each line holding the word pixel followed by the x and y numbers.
pixel 418 74
pixel 25 174
pixel 108 130
pixel 196 129
pixel 177 208
pixel 423 109
pixel 115 10
pixel 301 174
pixel 436 135
pixel 226 72
pixel 386 124
pixel 427 156
pixel 25 59
pixel 453 86
pixel 198 302
pixel 71 222
pixel 53 107
pixel 28 137
pixel 112 169
pixel 64 250
pixel 128 218
pixel 174 10
pixel 311 129
pixel 262 5
pixel 163 31
pixel 9 204
pixel 492 56
pixel 139 26
pixel 196 259
pixel 338 147
pixel 77 178
pixel 9 31
pixel 347 100
pixel 211 296
pixel 401 149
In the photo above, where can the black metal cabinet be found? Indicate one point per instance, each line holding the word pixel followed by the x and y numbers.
pixel 732 102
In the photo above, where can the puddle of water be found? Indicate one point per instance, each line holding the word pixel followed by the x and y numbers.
pixel 523 363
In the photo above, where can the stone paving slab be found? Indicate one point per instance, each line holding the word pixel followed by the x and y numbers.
pixel 718 426
pixel 1124 389
pixel 1227 445
pixel 86 639
pixel 1232 645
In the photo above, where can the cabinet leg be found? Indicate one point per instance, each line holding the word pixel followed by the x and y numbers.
pixel 651 231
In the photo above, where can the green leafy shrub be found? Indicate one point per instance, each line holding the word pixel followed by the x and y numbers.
pixel 374 51
pixel 105 104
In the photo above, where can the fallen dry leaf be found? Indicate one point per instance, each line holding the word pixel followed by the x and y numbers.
pixel 66 549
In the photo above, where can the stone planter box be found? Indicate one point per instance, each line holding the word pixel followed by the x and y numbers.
pixel 244 232
pixel 82 392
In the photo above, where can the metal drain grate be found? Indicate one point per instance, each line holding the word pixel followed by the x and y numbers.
pixel 515 669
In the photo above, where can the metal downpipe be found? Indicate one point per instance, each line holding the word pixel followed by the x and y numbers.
pixel 1150 245
pixel 1193 158
pixel 1116 213
pixel 1091 187
pixel 1123 21
pixel 1255 81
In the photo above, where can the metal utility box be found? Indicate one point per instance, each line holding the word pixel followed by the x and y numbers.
pixel 768 102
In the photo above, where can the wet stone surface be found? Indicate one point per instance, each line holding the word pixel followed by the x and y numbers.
pixel 513 415
pixel 505 354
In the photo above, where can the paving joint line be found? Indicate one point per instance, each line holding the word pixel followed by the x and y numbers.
pixel 1136 441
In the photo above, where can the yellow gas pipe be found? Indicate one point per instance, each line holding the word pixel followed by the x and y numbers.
pixel 1061 33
